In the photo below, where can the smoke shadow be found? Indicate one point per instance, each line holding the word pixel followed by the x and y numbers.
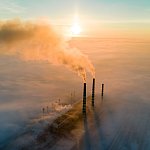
pixel 86 138
pixel 94 137
pixel 97 119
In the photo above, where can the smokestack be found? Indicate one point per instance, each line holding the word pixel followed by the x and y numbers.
pixel 84 99
pixel 102 90
pixel 93 91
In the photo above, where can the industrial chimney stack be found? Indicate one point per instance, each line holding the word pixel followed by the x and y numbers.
pixel 93 91
pixel 84 99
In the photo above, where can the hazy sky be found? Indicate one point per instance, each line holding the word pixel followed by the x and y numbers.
pixel 124 10
pixel 94 13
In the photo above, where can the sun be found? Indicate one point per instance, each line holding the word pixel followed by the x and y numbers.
pixel 75 29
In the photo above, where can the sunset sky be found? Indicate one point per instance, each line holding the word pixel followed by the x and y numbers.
pixel 94 16
pixel 49 48
pixel 96 10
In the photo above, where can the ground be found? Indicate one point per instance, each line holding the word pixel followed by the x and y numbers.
pixel 112 124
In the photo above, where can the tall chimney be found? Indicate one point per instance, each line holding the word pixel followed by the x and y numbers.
pixel 84 99
pixel 102 90
pixel 93 91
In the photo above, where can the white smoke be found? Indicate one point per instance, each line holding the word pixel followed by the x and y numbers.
pixel 38 41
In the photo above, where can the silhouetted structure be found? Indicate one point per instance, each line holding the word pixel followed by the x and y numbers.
pixel 84 98
pixel 102 90
pixel 43 110
pixel 93 91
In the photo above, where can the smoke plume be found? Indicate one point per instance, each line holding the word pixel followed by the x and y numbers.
pixel 39 41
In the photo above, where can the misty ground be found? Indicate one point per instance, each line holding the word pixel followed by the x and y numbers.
pixel 117 124
pixel 120 121
pixel 111 124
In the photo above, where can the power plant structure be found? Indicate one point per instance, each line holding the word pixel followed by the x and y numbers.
pixel 84 98
pixel 102 90
pixel 93 91
pixel 93 95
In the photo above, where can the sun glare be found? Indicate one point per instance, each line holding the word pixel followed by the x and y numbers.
pixel 76 29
